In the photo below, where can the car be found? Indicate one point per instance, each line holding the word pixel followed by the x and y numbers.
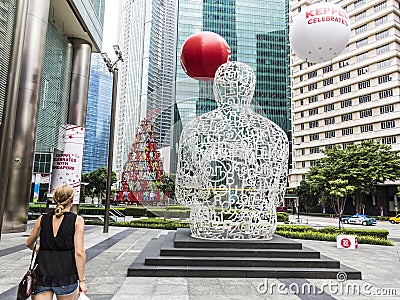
pixel 281 209
pixel 359 219
pixel 395 219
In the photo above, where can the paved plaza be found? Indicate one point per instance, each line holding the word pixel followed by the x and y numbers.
pixel 109 255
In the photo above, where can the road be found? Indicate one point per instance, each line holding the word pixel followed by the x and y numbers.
pixel 317 222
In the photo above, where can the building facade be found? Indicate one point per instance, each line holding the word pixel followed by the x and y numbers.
pixel 353 97
pixel 97 130
pixel 257 33
pixel 46 89
pixel 146 90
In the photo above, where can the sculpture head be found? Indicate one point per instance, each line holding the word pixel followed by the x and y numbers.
pixel 234 84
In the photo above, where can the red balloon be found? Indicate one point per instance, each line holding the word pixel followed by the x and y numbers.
pixel 202 54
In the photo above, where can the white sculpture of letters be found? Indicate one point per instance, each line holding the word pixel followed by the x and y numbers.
pixel 232 163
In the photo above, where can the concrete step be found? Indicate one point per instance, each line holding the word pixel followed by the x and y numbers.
pixel 227 252
pixel 237 272
pixel 297 262
pixel 243 262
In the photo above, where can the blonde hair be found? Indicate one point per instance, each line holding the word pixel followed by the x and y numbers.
pixel 63 195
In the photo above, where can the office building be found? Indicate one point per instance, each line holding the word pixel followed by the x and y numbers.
pixel 46 89
pixel 97 130
pixel 354 96
pixel 146 86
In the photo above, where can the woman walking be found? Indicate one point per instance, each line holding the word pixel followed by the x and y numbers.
pixel 61 256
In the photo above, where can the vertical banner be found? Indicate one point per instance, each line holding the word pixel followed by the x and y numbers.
pixel 67 165
pixel 36 188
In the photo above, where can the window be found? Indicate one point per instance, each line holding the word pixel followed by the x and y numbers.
pixel 389 140
pixel 302 139
pixel 347 117
pixel 385 94
pixel 330 134
pixel 329 107
pixel 381 20
pixel 313 124
pixel 312 163
pixel 328 94
pixel 313 111
pixel 386 109
pixel 330 120
pixel 362 56
pixel 301 90
pixel 302 126
pixel 314 137
pixel 345 89
pixel 328 147
pixel 382 35
pixel 359 3
pixel 363 70
pixel 383 49
pixel 303 151
pixel 364 84
pixel 327 81
pixel 303 164
pixel 301 78
pixel 345 145
pixel 366 113
pixel 344 76
pixel 313 99
pixel 388 124
pixel 361 29
pixel 347 131
pixel 361 43
pixel 302 114
pixel 312 74
pixel 364 98
pixel 380 6
pixel 366 128
pixel 384 64
pixel 346 103
pixel 312 86
pixel 327 69
pixel 343 63
pixel 360 15
pixel 384 78
pixel 314 150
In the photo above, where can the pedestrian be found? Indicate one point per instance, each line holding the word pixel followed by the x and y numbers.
pixel 61 256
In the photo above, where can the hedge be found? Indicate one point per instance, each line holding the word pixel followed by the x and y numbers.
pixel 315 235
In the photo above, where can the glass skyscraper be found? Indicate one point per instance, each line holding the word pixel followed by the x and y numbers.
pixel 146 87
pixel 257 33
pixel 97 132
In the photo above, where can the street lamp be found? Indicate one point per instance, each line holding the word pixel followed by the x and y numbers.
pixel 113 68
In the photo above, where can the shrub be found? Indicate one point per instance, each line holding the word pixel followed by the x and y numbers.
pixel 378 233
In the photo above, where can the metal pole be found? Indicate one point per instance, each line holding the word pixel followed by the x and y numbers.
pixel 10 105
pixel 110 149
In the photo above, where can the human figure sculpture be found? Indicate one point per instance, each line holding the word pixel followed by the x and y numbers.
pixel 232 163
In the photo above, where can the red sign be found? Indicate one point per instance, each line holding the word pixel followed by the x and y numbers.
pixel 345 243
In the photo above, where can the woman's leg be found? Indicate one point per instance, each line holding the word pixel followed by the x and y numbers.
pixel 71 296
pixel 43 296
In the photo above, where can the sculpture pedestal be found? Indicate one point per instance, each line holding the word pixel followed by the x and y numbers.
pixel 177 254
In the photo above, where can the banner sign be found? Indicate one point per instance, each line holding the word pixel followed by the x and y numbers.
pixel 36 187
pixel 67 164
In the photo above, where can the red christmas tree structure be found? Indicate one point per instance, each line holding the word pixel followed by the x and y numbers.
pixel 142 169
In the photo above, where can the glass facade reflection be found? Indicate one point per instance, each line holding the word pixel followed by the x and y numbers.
pixel 7 13
pixel 257 32
pixel 97 132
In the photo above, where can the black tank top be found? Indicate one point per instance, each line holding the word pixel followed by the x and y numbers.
pixel 56 257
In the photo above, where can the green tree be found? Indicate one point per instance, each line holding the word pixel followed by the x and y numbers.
pixel 340 189
pixel 97 181
pixel 166 185
pixel 363 166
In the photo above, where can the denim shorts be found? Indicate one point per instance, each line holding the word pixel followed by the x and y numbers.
pixel 64 290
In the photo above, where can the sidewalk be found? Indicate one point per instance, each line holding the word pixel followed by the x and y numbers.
pixel 109 255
